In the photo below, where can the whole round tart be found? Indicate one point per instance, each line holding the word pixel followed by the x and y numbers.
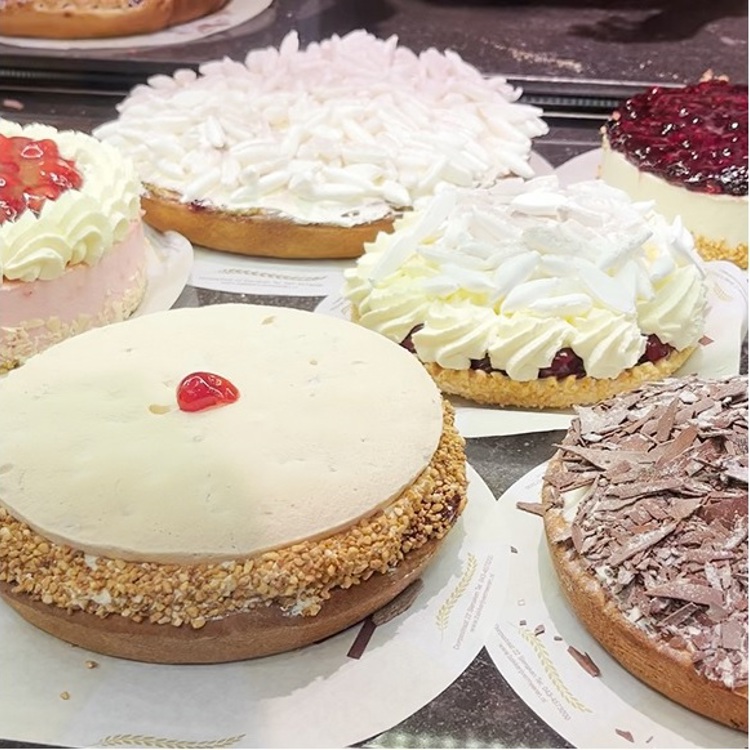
pixel 72 250
pixel 310 152
pixel 645 513
pixel 84 19
pixel 528 294
pixel 203 485
pixel 686 149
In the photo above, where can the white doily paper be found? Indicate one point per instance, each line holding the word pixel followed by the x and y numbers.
pixel 170 258
pixel 612 710
pixel 313 697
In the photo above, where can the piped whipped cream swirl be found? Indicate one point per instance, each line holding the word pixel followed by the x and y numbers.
pixel 342 132
pixel 81 225
pixel 523 269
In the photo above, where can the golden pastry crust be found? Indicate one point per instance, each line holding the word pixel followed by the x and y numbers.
pixel 665 668
pixel 299 579
pixel 496 389
pixel 256 232
pixel 81 19
pixel 712 250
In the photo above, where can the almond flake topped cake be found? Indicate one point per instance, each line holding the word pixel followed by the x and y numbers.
pixel 344 133
pixel 533 295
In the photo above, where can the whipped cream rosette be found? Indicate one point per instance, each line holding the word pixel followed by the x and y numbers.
pixel 72 249
pixel 343 134
pixel 529 294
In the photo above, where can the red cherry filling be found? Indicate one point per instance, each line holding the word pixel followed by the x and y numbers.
pixel 204 390
pixel 694 136
pixel 566 362
pixel 32 172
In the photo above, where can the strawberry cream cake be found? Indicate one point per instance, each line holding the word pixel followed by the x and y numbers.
pixel 686 150
pixel 217 483
pixel 310 152
pixel 72 250
pixel 527 294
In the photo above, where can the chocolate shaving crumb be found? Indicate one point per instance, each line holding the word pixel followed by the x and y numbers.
pixel 539 629
pixel 513 550
pixel 585 661
pixel 705 340
pixel 625 734
pixel 536 508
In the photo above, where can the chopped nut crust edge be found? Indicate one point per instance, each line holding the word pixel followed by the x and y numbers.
pixel 497 389
pixel 298 578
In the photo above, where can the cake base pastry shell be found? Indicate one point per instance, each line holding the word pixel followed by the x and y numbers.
pixel 261 631
pixel 257 232
pixel 64 20
pixel 496 389
pixel 666 669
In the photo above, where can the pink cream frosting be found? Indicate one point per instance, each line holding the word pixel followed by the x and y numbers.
pixel 37 314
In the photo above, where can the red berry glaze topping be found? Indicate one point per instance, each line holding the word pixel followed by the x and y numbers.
pixel 32 172
pixel 694 136
pixel 204 390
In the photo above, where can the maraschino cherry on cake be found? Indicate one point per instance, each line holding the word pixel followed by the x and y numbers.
pixel 309 152
pixel 686 149
pixel 72 249
pixel 209 484
pixel 646 519
pixel 528 294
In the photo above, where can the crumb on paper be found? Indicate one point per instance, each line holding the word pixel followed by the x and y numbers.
pixel 522 623
pixel 513 550
pixel 90 664
pixel 705 340
pixel 649 739
pixel 585 661
pixel 65 695
pixel 12 104
pixel 557 638
pixel 625 734
pixel 539 629
pixel 536 508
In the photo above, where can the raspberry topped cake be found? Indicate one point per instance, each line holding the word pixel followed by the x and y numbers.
pixel 217 483
pixel 527 294
pixel 686 149
pixel 310 152
pixel 72 250
pixel 645 512
pixel 82 19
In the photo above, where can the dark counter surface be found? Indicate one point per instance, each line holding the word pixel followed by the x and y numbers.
pixel 588 53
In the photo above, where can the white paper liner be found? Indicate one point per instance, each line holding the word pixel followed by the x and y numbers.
pixel 233 14
pixel 587 711
pixel 584 166
pixel 170 258
pixel 726 326
pixel 241 274
pixel 313 697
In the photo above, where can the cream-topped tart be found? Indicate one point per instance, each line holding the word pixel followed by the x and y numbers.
pixel 72 250
pixel 645 511
pixel 218 483
pixel 309 152
pixel 686 149
pixel 528 294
